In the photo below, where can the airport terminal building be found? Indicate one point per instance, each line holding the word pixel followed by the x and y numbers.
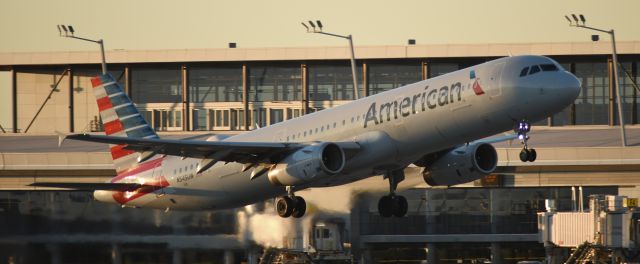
pixel 190 92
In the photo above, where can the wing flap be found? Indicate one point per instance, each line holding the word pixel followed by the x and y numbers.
pixel 238 151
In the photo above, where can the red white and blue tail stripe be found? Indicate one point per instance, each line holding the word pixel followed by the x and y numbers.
pixel 120 118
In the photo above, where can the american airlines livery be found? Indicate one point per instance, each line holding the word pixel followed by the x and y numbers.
pixel 436 124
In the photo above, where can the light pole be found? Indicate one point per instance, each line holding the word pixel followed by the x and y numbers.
pixel 69 33
pixel 576 23
pixel 318 30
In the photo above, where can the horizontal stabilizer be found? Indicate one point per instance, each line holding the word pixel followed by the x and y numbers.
pixel 103 186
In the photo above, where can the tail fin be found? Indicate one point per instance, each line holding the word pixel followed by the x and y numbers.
pixel 121 118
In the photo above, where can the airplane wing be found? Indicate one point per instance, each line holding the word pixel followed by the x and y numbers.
pixel 90 186
pixel 229 151
pixel 505 137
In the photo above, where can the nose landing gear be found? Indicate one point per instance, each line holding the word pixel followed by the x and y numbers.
pixel 291 205
pixel 392 204
pixel 527 154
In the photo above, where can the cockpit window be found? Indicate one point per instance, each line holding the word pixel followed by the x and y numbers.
pixel 524 71
pixel 549 67
pixel 534 69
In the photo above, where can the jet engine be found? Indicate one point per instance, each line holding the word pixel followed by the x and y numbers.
pixel 460 165
pixel 307 164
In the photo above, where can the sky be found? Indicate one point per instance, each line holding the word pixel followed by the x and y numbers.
pixel 30 25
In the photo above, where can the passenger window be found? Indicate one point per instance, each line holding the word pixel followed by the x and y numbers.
pixel 334 124
pixel 344 122
pixel 322 129
pixel 305 133
pixel 534 69
pixel 524 71
pixel 549 67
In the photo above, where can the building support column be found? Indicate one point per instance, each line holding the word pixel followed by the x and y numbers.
pixel 127 81
pixel 305 89
pixel 185 99
pixel 116 254
pixel 431 253
pixel 71 109
pixel 229 257
pixel 425 70
pixel 14 101
pixel 612 93
pixel 176 257
pixel 496 256
pixel 572 117
pixel 365 80
pixel 245 96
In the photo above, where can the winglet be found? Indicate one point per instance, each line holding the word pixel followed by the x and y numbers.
pixel 61 137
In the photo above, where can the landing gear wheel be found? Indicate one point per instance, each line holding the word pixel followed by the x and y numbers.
pixel 524 155
pixel 400 206
pixel 300 207
pixel 284 206
pixel 385 206
pixel 532 155
pixel 522 128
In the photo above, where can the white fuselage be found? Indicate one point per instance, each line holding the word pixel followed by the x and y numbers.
pixel 393 128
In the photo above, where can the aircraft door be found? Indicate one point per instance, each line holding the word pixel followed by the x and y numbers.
pixel 494 87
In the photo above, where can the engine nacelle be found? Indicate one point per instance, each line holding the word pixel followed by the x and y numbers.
pixel 462 165
pixel 308 164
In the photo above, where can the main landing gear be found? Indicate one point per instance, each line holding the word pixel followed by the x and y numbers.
pixel 527 154
pixel 392 204
pixel 290 205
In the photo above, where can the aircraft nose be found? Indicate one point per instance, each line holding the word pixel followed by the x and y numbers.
pixel 569 87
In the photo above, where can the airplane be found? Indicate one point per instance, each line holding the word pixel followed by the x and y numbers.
pixel 440 125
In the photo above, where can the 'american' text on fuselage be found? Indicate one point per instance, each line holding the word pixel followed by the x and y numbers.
pixel 409 105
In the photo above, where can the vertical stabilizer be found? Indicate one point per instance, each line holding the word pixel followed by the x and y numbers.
pixel 120 118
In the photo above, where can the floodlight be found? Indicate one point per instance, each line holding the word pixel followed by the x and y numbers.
pixel 582 19
pixel 319 24
pixel 568 19
pixel 305 26
pixel 71 29
pixel 65 29
pixel 575 18
pixel 312 24
pixel 59 30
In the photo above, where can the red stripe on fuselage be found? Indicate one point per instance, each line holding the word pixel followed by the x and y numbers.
pixel 112 127
pixel 121 197
pixel 139 169
pixel 118 151
pixel 150 186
